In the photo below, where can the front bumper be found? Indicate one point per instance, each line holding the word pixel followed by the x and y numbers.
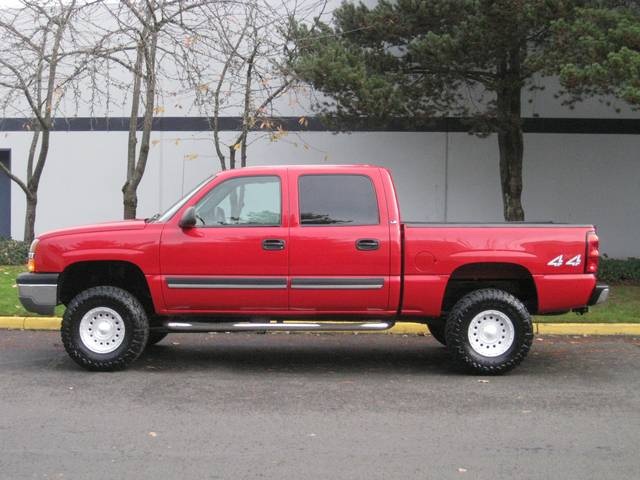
pixel 600 294
pixel 38 292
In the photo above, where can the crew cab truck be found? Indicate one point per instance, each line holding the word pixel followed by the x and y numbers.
pixel 307 248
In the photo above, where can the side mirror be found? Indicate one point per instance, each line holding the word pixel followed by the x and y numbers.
pixel 188 219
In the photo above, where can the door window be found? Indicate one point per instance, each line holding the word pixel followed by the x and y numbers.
pixel 242 201
pixel 337 200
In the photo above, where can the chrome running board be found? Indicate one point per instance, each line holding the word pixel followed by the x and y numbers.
pixel 184 326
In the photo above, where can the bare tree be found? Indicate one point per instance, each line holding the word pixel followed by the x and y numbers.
pixel 240 65
pixel 139 37
pixel 39 65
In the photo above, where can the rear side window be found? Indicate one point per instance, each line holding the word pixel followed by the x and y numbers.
pixel 337 200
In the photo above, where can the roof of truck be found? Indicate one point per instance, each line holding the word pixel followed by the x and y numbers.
pixel 320 166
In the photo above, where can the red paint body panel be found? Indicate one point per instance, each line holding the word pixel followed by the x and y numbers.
pixel 562 292
pixel 439 250
pixel 413 262
pixel 231 251
pixel 326 251
pixel 129 241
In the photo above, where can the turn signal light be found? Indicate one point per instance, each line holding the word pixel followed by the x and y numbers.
pixel 593 253
pixel 31 263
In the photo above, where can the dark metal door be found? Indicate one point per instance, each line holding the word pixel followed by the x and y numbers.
pixel 5 195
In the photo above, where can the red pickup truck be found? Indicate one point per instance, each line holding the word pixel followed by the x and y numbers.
pixel 307 248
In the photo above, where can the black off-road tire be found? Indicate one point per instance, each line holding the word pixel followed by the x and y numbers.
pixel 462 314
pixel 437 330
pixel 133 315
pixel 155 337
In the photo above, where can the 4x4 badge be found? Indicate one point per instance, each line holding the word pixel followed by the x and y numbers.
pixel 559 261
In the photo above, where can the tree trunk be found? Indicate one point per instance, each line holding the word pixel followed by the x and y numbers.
pixel 130 202
pixel 30 217
pixel 129 197
pixel 146 53
pixel 511 146
pixel 510 140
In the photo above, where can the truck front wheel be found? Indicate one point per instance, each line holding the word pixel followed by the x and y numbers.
pixel 489 331
pixel 104 328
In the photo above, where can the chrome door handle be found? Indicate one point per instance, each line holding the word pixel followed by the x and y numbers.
pixel 367 244
pixel 273 244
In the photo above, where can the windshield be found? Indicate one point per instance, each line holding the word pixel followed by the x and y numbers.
pixel 176 206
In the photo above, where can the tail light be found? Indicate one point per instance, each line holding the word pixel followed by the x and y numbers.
pixel 593 253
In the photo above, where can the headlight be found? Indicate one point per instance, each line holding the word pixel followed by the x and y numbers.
pixel 31 263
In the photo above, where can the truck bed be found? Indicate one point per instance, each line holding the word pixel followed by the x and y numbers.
pixel 551 254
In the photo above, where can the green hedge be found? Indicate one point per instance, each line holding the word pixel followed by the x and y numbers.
pixel 13 252
pixel 613 271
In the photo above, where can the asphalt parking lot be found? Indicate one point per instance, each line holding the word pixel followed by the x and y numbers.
pixel 319 406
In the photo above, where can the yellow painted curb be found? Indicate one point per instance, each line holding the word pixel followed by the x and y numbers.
pixel 30 323
pixel 588 328
pixel 403 328
pixel 41 323
pixel 12 322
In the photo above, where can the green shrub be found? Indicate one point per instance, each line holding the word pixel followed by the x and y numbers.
pixel 13 252
pixel 613 271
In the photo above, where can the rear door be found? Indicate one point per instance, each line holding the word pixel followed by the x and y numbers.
pixel 339 242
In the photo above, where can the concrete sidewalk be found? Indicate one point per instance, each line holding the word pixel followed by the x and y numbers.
pixel 404 328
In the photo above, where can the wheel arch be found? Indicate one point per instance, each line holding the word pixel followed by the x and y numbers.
pixel 510 277
pixel 79 276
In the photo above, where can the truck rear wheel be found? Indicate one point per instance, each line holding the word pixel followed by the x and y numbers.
pixel 104 328
pixel 489 331
pixel 437 330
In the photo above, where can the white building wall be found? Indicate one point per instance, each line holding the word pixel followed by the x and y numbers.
pixel 567 178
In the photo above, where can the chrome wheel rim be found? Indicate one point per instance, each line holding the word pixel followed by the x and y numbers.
pixel 491 333
pixel 102 330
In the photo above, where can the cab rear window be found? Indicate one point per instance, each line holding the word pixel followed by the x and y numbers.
pixel 337 200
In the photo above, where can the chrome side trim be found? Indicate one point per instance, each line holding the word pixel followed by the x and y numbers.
pixel 336 287
pixel 269 283
pixel 337 283
pixel 282 327
pixel 227 286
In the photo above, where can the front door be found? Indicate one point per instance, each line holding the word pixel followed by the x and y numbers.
pixel 235 258
pixel 340 246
